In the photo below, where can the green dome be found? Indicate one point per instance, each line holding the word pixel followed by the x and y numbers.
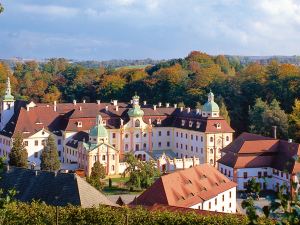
pixel 99 131
pixel 136 112
pixel 210 107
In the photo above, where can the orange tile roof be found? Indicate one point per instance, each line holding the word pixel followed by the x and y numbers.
pixel 186 188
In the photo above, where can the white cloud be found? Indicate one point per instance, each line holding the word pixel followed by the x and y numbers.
pixel 51 10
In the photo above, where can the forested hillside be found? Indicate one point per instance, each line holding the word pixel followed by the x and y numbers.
pixel 257 96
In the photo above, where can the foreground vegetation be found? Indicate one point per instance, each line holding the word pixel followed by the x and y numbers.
pixel 38 213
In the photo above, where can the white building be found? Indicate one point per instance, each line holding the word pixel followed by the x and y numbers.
pixel 271 162
pixel 201 187
pixel 147 130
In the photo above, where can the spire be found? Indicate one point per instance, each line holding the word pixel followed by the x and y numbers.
pixel 99 120
pixel 211 97
pixel 8 96
pixel 135 100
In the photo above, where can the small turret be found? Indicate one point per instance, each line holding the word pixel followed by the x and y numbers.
pixel 98 133
pixel 136 110
pixel 210 108
pixel 7 105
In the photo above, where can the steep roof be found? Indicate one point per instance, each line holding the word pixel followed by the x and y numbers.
pixel 252 151
pixel 67 115
pixel 186 188
pixel 58 189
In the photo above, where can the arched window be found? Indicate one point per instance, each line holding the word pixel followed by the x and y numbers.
pixel 211 161
pixel 227 138
pixel 145 135
pixel 126 135
pixel 137 135
pixel 113 168
pixel 211 151
pixel 211 139
pixel 126 147
pixel 137 123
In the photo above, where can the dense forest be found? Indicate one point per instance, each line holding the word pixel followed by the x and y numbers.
pixel 256 96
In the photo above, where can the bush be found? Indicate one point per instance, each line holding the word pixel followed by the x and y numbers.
pixel 39 213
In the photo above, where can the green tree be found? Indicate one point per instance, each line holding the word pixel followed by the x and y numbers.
pixel 49 157
pixel 253 187
pixel 98 172
pixel 1 8
pixel 18 154
pixel 294 122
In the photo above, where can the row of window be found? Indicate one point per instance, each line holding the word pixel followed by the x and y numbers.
pixel 43 142
pixel 225 172
pixel 186 148
pixel 4 141
pixel 192 136
pixel 216 202
pixel 265 174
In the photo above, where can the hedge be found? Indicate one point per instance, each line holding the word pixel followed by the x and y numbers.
pixel 39 213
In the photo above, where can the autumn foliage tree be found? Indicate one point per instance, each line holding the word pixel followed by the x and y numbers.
pixel 18 155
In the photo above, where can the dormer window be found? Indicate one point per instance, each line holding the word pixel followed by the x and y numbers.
pixel 158 121
pixel 190 124
pixel 104 122
pixel 182 122
pixel 218 125
pixel 198 125
pixel 79 124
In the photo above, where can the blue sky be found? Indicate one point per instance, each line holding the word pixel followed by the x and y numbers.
pixel 159 29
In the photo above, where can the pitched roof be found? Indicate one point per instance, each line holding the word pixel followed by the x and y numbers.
pixel 252 151
pixel 67 115
pixel 186 188
pixel 76 138
pixel 54 189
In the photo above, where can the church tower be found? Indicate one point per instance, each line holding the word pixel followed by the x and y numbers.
pixel 7 105
pixel 210 108
pixel 98 134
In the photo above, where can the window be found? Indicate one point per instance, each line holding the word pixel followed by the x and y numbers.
pixel 196 149
pixel 126 147
pixel 186 136
pixel 223 198
pixel 113 157
pixel 168 144
pixel 196 138
pixel 26 143
pixel 79 124
pixel 227 138
pixel 229 173
pixel 182 122
pixel 103 157
pixel 181 146
pixel 192 137
pixel 137 123
pixel 168 133
pixel 229 204
pixel 113 135
pixel 59 141
pixel 245 175
pixel 265 173
pixel 185 147
pixel 113 168
pixel 216 201
pixel 221 170
pixel 223 208
pixel 137 147
pixel 201 139
pixel 36 155
pixel 176 134
pixel 145 145
pixel 159 144
pixel 229 194
pixel 190 124
pixel 137 135
pixel 211 161
pixel 281 174
pixel 181 135
pixel 209 205
pixel 201 150
pixel 225 172
pixel 159 133
pixel 218 125
pixel 211 139
pixel 287 176
pixel 259 174
pixel 145 135
pixel 192 148
pixel 176 145
pixel 211 151
pixel 126 135
pixel 36 143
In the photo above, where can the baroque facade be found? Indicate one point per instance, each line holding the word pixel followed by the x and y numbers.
pixel 177 137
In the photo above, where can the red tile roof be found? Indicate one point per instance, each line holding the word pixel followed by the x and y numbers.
pixel 67 115
pixel 253 151
pixel 186 188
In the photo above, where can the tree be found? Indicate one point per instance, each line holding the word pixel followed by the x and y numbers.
pixel 1 8
pixel 294 122
pixel 98 173
pixel 253 187
pixel 263 117
pixel 49 157
pixel 18 154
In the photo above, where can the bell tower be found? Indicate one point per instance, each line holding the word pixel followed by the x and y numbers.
pixel 7 105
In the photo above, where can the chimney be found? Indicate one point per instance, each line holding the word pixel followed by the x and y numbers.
pixel 54 105
pixel 122 122
pixel 188 109
pixel 83 101
pixel 197 111
pixel 98 102
pixel 115 102
pixel 181 109
pixel 150 121
pixel 159 104
pixel 167 105
pixel 290 140
pixel 117 108
pixel 274 132
pixel 106 108
pixel 74 102
pixel 154 107
pixel 175 106
pixel 36 173
pixel 27 107
pixel 131 101
pixel 145 102
pixel 80 108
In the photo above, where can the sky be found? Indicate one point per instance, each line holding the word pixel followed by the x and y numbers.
pixel 138 29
